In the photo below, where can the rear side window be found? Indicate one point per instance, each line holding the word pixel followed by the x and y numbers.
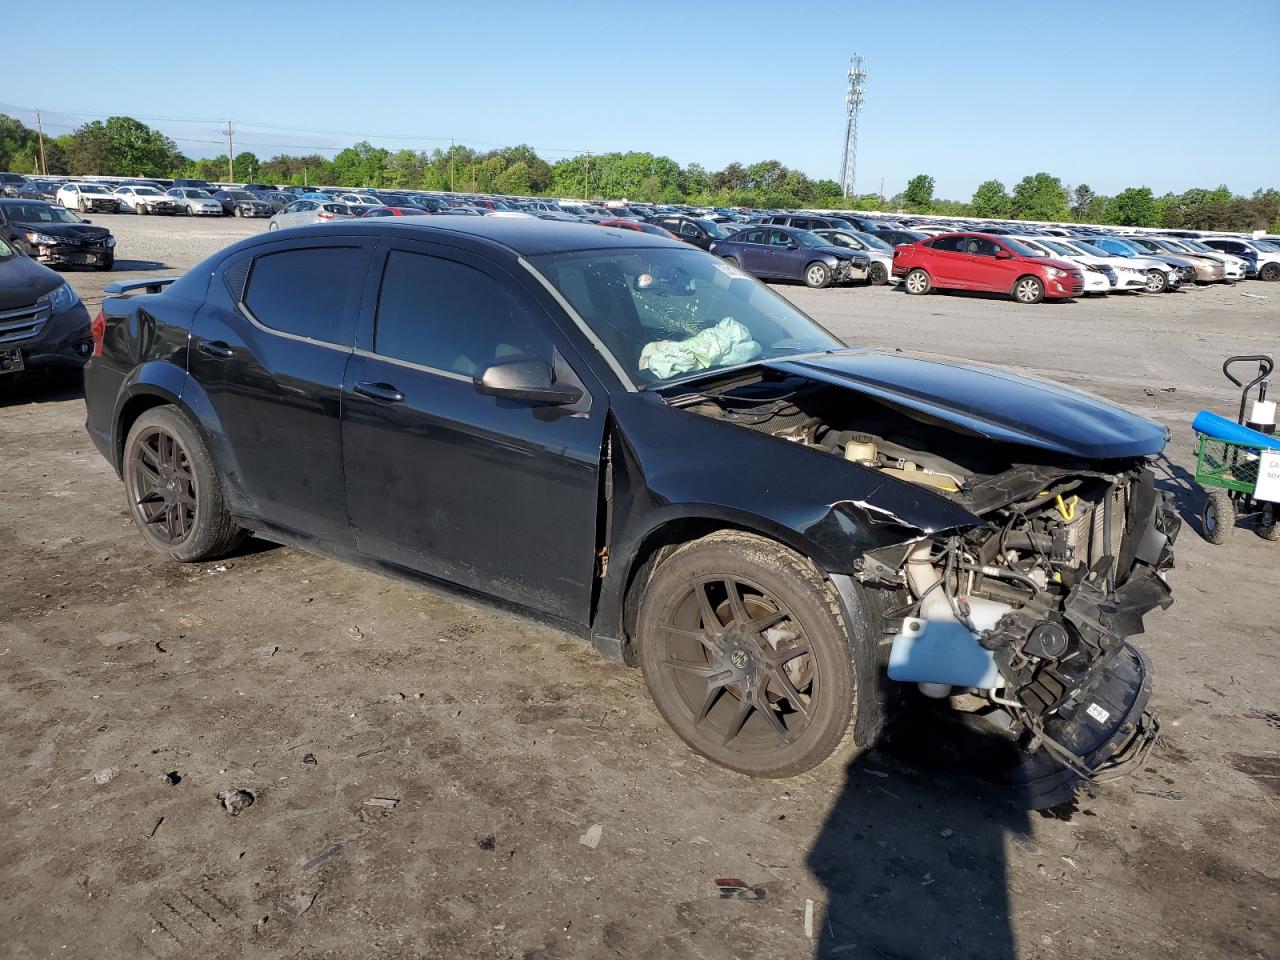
pixel 951 244
pixel 441 314
pixel 308 293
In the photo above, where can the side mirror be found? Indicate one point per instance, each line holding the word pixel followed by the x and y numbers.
pixel 528 380
pixel 1003 254
pixel 793 245
pixel 86 221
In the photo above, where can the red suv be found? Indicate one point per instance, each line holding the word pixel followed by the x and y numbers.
pixel 979 261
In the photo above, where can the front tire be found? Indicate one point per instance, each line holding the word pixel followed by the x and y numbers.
pixel 1028 290
pixel 1157 282
pixel 747 655
pixel 172 488
pixel 878 274
pixel 108 262
pixel 273 225
pixel 237 212
pixel 917 283
pixel 817 276
pixel 1218 517
pixel 1269 271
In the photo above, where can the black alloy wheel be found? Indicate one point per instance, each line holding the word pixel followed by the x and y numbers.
pixel 747 656
pixel 173 491
pixel 878 274
pixel 1269 272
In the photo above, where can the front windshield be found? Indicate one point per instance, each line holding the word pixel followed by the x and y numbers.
pixel 714 230
pixel 91 188
pixel 40 213
pixel 1265 246
pixel 1089 248
pixel 148 192
pixel 6 251
pixel 1117 248
pixel 241 195
pixel 668 314
pixel 199 195
pixel 874 242
pixel 1172 245
pixel 1021 249
pixel 809 239
pixel 1197 245
pixel 1060 248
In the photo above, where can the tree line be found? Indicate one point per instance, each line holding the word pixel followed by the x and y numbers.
pixel 123 146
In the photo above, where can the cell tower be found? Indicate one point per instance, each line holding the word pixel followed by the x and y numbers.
pixel 853 99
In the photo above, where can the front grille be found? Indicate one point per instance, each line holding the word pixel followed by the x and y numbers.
pixel 23 323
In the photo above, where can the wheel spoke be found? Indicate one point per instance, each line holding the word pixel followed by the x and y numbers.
pixel 775 722
pixel 783 657
pixel 761 624
pixel 779 676
pixel 737 609
pixel 738 720
pixel 710 622
pixel 713 694
pixel 707 671
pixel 699 636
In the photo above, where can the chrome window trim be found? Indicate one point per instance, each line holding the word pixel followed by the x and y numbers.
pixel 422 367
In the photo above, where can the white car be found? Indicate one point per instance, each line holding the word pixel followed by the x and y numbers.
pixel 880 270
pixel 1162 276
pixel 1234 268
pixel 359 200
pixel 1264 254
pixel 1099 277
pixel 87 198
pixel 1129 275
pixel 144 200
pixel 196 202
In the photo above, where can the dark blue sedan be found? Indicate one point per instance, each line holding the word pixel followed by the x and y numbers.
pixel 786 253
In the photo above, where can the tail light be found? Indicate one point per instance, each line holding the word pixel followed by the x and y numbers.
pixel 324 215
pixel 99 330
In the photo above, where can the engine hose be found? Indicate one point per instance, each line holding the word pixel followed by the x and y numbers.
pixel 1002 574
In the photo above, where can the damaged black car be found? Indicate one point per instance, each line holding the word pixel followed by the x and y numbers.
pixel 641 444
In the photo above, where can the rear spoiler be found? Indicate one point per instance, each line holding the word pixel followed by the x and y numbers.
pixel 122 287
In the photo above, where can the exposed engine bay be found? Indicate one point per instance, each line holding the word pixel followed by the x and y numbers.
pixel 1026 612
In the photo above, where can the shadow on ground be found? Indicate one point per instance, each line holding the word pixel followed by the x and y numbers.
pixel 913 853
pixel 41 386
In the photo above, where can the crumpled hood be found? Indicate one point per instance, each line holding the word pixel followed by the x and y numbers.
pixel 23 281
pixel 77 231
pixel 987 402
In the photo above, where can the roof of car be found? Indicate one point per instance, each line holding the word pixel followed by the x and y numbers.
pixel 525 237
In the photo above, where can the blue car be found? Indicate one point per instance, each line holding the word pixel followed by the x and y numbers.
pixel 787 253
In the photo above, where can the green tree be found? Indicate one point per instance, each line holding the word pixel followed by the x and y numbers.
pixel 919 192
pixel 1133 207
pixel 1082 196
pixel 991 200
pixel 1039 197
pixel 245 167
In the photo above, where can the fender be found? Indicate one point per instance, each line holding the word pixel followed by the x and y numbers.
pixel 171 384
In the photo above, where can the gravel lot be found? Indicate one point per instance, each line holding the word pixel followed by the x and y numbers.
pixel 320 687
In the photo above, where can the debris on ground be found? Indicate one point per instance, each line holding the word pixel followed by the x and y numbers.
pixel 808 918
pixel 487 842
pixel 267 650
pixel 236 800
pixel 592 837
pixel 699 841
pixel 155 828
pixel 106 775
pixel 298 905
pixel 173 778
pixel 309 759
pixel 1161 794
pixel 387 802
pixel 731 888
pixel 322 856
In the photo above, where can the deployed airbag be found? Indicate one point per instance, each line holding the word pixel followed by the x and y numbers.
pixel 726 344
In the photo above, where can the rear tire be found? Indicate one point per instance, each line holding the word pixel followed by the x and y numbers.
pixel 1269 271
pixel 917 283
pixel 273 225
pixel 172 489
pixel 1028 290
pixel 817 275
pixel 878 274
pixel 1218 517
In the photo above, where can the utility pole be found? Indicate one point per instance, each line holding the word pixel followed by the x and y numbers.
pixel 586 178
pixel 44 168
pixel 231 172
pixel 853 99
pixel 451 190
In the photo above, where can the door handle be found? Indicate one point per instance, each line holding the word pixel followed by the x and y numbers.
pixel 378 391
pixel 216 348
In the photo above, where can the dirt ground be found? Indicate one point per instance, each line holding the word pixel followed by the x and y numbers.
pixel 425 771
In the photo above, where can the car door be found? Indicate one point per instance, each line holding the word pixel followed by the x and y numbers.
pixel 270 348
pixel 985 269
pixel 783 255
pixel 498 496
pixel 944 261
pixel 690 232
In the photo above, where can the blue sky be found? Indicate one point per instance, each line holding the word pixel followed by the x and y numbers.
pixel 1168 95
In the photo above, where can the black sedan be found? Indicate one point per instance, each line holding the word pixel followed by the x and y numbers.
pixel 695 230
pixel 56 236
pixel 42 321
pixel 788 253
pixel 633 440
pixel 242 203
